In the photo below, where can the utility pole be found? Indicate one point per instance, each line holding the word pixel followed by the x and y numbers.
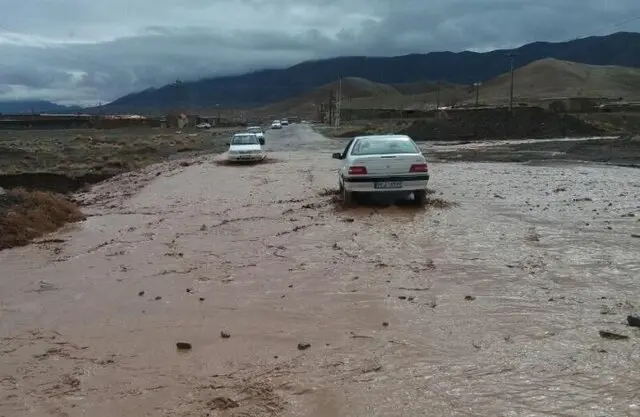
pixel 511 55
pixel 477 86
pixel 339 103
pixel 437 99
pixel 332 103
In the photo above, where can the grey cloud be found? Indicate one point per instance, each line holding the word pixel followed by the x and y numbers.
pixel 128 46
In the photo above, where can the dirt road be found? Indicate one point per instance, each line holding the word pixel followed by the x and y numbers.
pixel 492 307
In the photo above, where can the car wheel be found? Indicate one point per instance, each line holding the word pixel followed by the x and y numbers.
pixel 420 197
pixel 347 197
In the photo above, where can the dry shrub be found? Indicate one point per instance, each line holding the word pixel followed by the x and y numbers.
pixel 26 215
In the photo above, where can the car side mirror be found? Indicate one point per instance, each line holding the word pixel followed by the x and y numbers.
pixel 337 155
pixel 261 141
pixel 228 144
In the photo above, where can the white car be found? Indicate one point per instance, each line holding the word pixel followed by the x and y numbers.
pixel 245 147
pixel 284 122
pixel 276 124
pixel 258 132
pixel 203 125
pixel 383 163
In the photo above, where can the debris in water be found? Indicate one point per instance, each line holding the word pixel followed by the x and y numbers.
pixel 634 319
pixel 222 403
pixel 469 298
pixel 225 335
pixel 612 336
pixel 140 293
pixel 183 346
pixel 304 346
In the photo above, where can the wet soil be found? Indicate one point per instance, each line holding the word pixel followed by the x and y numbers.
pixel 483 124
pixel 480 125
pixel 622 151
pixel 68 160
pixel 491 306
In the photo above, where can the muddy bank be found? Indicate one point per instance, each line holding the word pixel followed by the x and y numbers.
pixel 66 160
pixel 621 151
pixel 531 123
pixel 482 124
pixel 26 215
pixel 46 181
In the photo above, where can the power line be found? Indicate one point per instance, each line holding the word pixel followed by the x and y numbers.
pixel 614 26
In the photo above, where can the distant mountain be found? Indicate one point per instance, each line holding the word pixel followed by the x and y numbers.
pixel 268 86
pixel 35 106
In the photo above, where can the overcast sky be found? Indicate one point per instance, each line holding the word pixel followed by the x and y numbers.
pixel 87 51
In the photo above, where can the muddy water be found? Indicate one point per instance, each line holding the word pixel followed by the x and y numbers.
pixel 489 308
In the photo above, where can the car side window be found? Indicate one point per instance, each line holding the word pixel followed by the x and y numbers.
pixel 346 149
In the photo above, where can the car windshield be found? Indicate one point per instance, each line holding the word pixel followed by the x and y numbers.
pixel 244 140
pixel 381 146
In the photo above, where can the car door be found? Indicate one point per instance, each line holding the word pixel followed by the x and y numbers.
pixel 344 159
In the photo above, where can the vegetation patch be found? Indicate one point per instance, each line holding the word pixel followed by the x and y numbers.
pixel 26 215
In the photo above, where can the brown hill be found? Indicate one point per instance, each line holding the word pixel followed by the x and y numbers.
pixel 552 78
pixel 422 87
pixel 544 79
pixel 352 88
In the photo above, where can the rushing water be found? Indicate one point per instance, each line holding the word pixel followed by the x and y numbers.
pixel 490 307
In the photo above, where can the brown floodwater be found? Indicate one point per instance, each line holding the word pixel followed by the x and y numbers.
pixel 489 306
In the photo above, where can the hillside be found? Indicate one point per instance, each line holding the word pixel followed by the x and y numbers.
pixel 352 88
pixel 268 86
pixel 550 77
pixel 543 79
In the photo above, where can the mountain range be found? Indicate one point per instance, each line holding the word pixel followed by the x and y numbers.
pixel 414 74
pixel 263 87
pixel 35 106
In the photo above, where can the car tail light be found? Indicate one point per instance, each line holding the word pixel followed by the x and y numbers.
pixel 357 170
pixel 419 168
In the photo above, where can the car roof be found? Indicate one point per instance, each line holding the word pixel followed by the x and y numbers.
pixel 398 137
pixel 244 134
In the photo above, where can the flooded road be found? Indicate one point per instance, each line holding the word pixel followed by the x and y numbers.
pixel 294 307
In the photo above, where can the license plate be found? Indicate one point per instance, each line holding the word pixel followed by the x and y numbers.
pixel 387 184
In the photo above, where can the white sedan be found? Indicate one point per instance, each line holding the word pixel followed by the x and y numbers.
pixel 383 163
pixel 276 124
pixel 245 147
pixel 258 131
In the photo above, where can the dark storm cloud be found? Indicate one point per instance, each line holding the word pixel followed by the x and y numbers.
pixel 89 51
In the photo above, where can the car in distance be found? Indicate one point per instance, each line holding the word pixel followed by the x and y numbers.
pixel 245 147
pixel 258 132
pixel 284 122
pixel 382 163
pixel 276 124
